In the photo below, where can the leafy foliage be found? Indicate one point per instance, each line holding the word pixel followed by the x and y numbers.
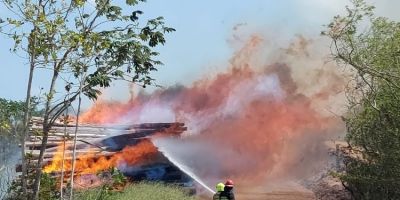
pixel 370 46
pixel 102 40
pixel 48 189
pixel 118 177
pixel 11 113
pixel 376 132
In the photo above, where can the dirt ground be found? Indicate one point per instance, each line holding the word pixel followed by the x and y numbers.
pixel 281 195
pixel 277 191
pixel 326 188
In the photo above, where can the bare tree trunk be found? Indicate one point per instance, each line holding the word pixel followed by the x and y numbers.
pixel 38 175
pixel 47 122
pixel 63 156
pixel 25 133
pixel 26 120
pixel 46 129
pixel 62 170
pixel 75 134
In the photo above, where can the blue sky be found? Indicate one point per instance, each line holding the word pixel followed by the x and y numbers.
pixel 200 44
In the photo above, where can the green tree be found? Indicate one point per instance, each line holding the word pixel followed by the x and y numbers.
pixel 11 115
pixel 370 47
pixel 86 45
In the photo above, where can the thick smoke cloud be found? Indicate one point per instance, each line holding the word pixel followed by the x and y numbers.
pixel 263 119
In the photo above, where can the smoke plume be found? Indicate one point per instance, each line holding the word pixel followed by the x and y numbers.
pixel 262 119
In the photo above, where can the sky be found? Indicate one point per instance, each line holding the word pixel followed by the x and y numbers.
pixel 201 43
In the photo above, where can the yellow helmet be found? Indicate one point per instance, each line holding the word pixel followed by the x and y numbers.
pixel 220 187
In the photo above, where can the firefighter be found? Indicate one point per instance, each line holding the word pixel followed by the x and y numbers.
pixel 228 190
pixel 220 189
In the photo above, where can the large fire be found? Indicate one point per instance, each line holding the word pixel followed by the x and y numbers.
pixel 94 162
pixel 265 116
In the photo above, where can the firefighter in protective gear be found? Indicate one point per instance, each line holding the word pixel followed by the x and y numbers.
pixel 228 190
pixel 220 188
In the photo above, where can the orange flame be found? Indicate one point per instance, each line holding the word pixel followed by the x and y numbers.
pixel 92 162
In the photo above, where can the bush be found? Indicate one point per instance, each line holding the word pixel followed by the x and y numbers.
pixel 48 188
pixel 369 45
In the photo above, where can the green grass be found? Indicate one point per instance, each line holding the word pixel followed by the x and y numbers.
pixel 139 191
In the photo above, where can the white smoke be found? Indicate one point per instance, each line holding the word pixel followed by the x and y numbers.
pixel 150 112
pixel 263 86
pixel 249 90
pixel 153 112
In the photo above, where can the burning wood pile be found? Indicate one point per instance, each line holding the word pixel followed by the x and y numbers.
pixel 99 148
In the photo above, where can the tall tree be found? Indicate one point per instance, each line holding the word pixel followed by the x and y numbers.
pixel 370 47
pixel 102 39
pixel 31 57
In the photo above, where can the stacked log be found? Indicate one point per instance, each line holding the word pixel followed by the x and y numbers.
pixel 92 139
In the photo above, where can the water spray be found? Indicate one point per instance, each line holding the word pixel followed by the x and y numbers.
pixel 182 167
